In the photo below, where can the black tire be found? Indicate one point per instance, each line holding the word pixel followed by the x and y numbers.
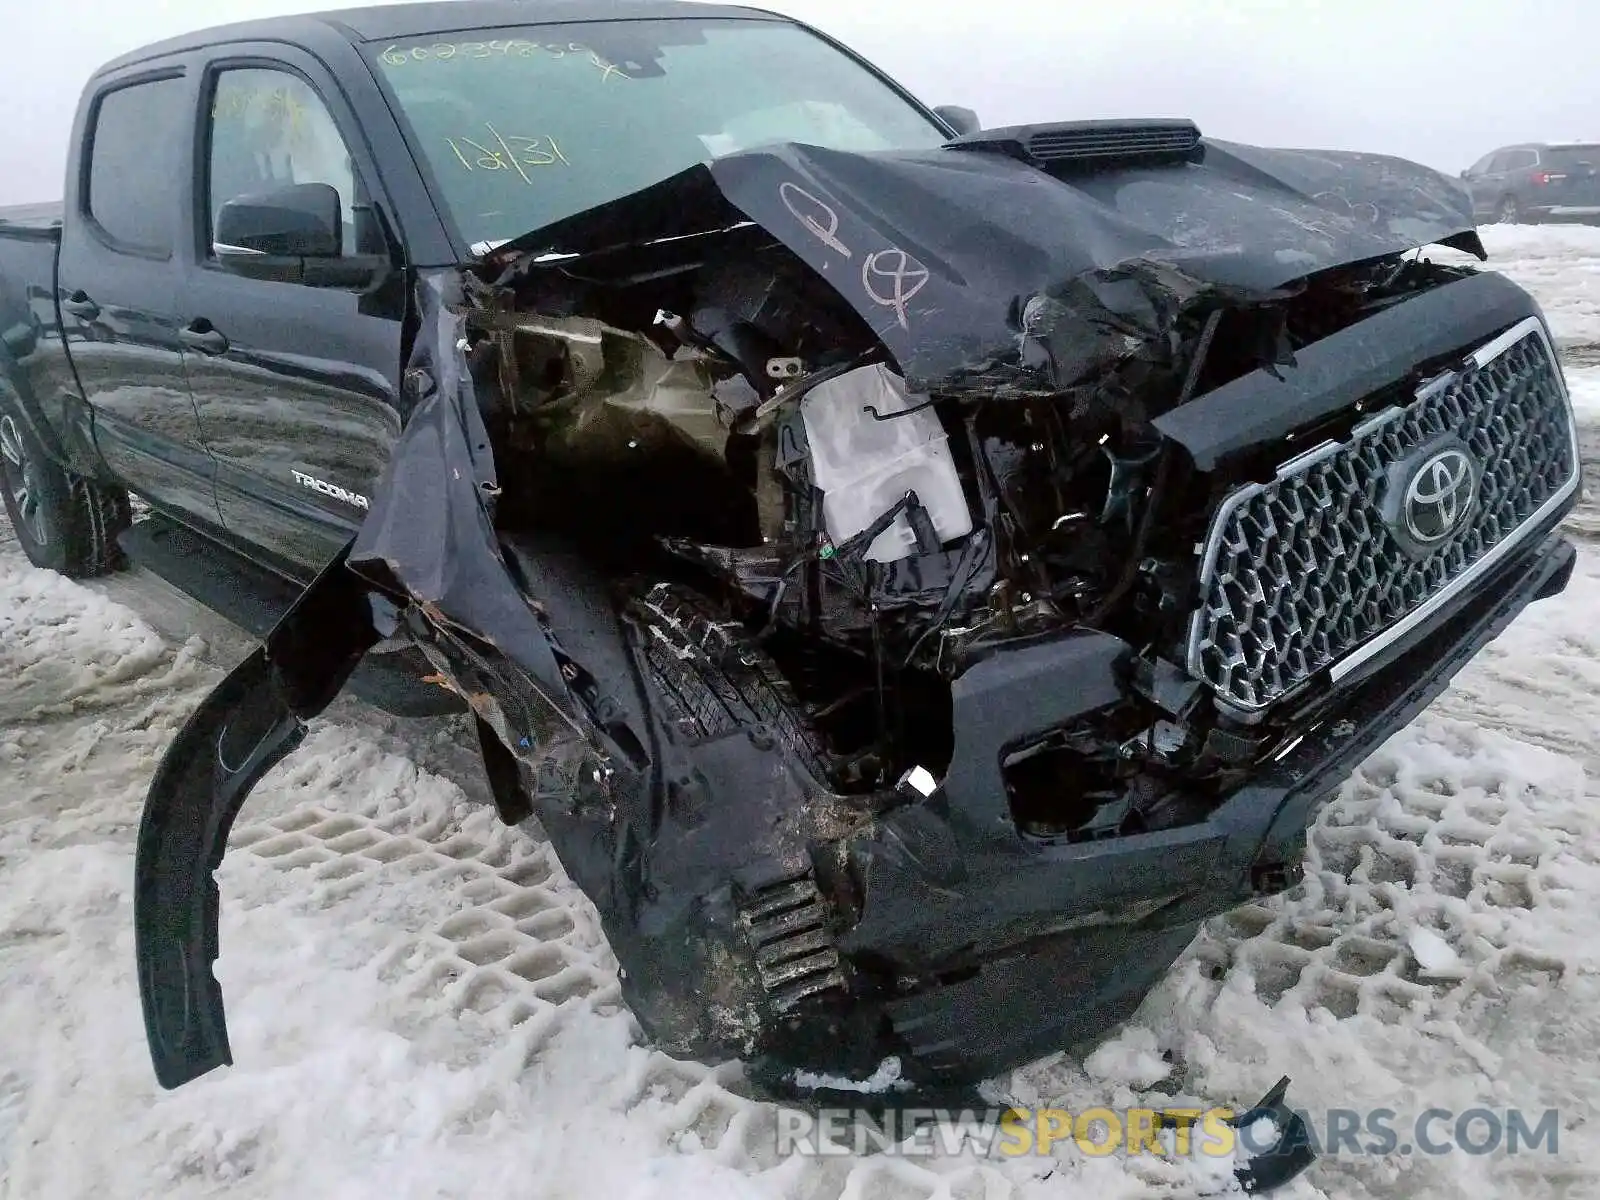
pixel 63 521
pixel 1510 212
pixel 716 680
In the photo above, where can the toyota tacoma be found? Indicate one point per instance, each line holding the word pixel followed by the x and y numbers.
pixel 914 573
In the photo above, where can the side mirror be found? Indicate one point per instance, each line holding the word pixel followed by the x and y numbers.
pixel 962 120
pixel 299 220
pixel 292 234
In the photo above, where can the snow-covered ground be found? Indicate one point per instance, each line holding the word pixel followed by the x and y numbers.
pixel 421 1003
pixel 1560 264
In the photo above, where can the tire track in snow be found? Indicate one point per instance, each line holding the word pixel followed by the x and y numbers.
pixel 1541 679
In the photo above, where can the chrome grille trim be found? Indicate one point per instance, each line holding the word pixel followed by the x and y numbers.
pixel 1291 660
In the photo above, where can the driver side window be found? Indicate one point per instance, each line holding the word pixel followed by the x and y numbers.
pixel 269 129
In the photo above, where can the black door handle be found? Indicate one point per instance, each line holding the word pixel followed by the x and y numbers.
pixel 79 305
pixel 202 338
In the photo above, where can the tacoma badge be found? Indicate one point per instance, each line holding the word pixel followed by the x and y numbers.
pixel 331 489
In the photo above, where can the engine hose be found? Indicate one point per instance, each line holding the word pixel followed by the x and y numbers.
pixel 1141 539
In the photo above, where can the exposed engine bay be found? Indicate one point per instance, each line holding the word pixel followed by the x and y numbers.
pixel 710 405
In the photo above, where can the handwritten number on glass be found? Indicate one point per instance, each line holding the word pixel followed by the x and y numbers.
pixel 504 152
pixel 281 108
pixel 399 56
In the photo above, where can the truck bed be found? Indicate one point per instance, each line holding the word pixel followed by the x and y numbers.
pixel 34 219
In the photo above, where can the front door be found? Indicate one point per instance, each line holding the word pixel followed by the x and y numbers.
pixel 296 388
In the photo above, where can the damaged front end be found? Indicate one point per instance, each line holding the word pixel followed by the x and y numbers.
pixel 914 590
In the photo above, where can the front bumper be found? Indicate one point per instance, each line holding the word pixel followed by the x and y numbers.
pixel 1021 947
pixel 971 949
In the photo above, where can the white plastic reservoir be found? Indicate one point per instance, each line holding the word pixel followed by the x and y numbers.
pixel 865 466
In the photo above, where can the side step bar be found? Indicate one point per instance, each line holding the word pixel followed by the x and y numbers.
pixel 255 598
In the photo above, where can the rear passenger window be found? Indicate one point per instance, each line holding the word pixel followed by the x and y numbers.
pixel 133 161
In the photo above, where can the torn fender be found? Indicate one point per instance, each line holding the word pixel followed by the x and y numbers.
pixel 240 731
pixel 430 532
pixel 430 539
pixel 951 255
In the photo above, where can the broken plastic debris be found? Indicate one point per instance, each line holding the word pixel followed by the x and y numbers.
pixel 1289 1152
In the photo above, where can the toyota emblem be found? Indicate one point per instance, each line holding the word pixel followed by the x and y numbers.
pixel 1439 495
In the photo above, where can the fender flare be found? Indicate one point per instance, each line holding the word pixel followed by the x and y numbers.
pixel 250 722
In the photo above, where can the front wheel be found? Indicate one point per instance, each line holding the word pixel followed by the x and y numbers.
pixel 1510 212
pixel 63 521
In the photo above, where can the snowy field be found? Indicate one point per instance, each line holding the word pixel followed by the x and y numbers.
pixel 422 1005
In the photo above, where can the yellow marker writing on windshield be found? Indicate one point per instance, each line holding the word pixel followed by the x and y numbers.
pixel 507 152
pixel 399 56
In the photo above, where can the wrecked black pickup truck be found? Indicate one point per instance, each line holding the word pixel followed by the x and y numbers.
pixel 913 573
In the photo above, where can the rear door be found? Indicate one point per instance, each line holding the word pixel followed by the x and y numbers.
pixel 297 386
pixel 120 283
pixel 1517 180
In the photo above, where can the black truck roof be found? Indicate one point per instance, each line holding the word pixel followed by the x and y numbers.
pixel 392 22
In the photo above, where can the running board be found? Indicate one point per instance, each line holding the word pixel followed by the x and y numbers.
pixel 254 598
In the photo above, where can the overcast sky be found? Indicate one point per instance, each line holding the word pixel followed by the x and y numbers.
pixel 1441 82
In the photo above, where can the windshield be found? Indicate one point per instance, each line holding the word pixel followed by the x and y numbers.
pixel 525 126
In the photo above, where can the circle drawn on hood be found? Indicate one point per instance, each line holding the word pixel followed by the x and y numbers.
pixel 893 278
pixel 1364 211
pixel 817 216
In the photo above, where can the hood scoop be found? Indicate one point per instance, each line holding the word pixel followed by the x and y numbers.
pixel 1068 146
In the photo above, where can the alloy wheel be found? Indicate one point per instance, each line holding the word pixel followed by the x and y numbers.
pixel 21 480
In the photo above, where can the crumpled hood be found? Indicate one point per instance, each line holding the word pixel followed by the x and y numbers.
pixel 942 250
